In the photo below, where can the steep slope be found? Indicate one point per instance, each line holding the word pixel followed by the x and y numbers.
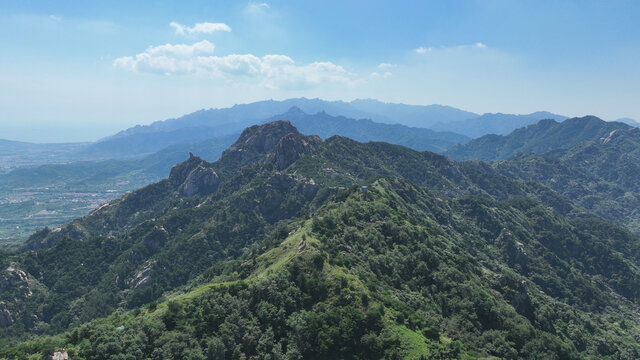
pixel 602 175
pixel 51 195
pixel 364 130
pixel 499 124
pixel 394 272
pixel 540 138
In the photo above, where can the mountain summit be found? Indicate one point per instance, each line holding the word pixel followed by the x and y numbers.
pixel 310 249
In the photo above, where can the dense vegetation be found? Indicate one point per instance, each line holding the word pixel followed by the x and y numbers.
pixel 601 174
pixel 547 135
pixel 275 251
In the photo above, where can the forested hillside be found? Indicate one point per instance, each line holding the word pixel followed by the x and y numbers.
pixel 540 138
pixel 296 247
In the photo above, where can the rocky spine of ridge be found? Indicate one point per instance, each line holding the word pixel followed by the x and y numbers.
pixel 278 143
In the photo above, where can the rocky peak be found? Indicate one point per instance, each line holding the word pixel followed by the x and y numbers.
pixel 181 171
pixel 259 140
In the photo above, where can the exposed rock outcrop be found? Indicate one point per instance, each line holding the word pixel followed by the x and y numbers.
pixel 142 277
pixel 259 139
pixel 15 279
pixel 6 319
pixel 292 146
pixel 194 176
pixel 59 355
pixel 156 238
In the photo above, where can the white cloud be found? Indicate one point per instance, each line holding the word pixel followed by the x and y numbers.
pixel 385 74
pixel 166 59
pixel 257 7
pixel 271 71
pixel 55 17
pixel 423 50
pixel 199 28
pixel 386 66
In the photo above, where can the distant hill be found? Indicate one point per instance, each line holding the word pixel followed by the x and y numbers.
pixel 629 121
pixel 365 130
pixel 539 138
pixel 499 124
pixel 602 175
pixel 144 143
pixel 204 124
pixel 422 116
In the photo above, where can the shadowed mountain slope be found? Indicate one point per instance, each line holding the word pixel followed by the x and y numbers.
pixel 540 138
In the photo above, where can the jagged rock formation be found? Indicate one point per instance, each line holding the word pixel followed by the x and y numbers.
pixel 278 140
pixel 292 146
pixel 194 176
pixel 258 140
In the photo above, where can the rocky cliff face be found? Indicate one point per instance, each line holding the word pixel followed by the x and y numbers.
pixel 277 140
pixel 194 176
pixel 292 146
pixel 259 139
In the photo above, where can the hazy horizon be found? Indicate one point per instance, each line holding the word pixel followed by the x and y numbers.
pixel 60 134
pixel 79 72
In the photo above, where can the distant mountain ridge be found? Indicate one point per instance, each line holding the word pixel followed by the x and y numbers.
pixel 601 174
pixel 629 121
pixel 539 138
pixel 364 130
pixel 202 123
pixel 499 124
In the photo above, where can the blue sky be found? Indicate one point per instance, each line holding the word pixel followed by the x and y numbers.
pixel 77 70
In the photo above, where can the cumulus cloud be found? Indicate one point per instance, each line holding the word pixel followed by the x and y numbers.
pixel 423 50
pixel 166 59
pixel 199 28
pixel 480 45
pixel 272 71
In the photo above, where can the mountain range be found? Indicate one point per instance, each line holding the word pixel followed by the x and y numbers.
pixel 538 138
pixel 78 177
pixel 499 124
pixel 303 247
